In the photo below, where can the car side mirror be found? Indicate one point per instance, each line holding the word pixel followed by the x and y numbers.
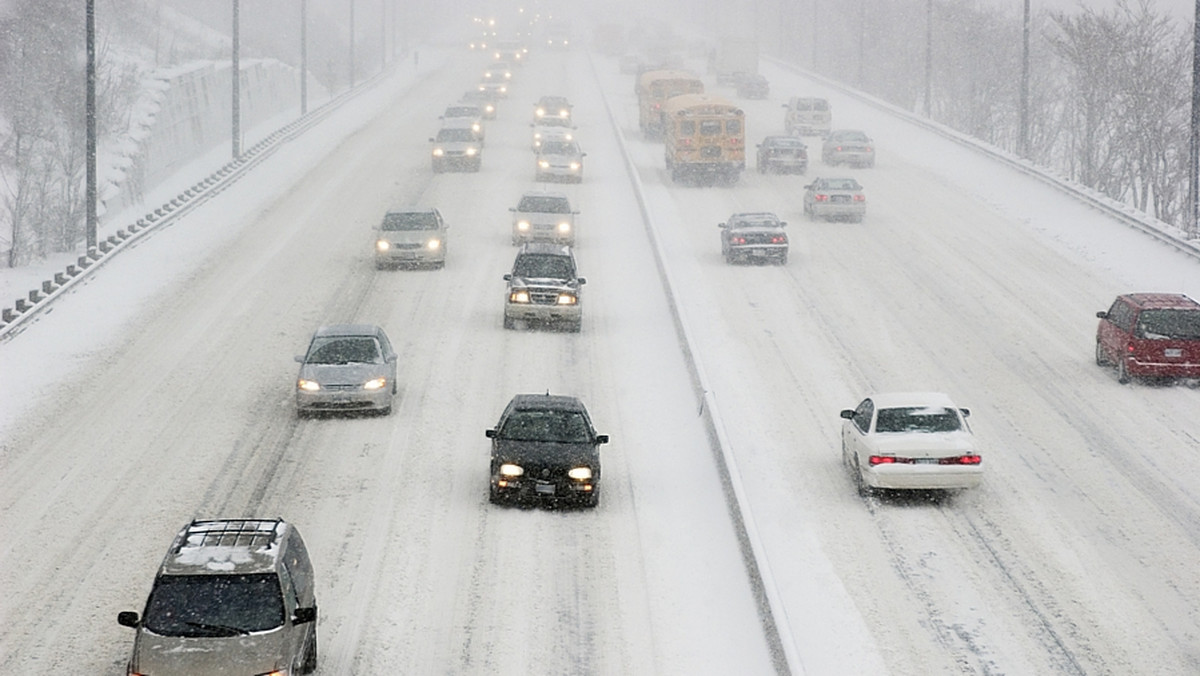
pixel 581 280
pixel 722 225
pixel 128 618
pixel 303 615
pixel 431 139
pixel 508 277
pixel 602 438
pixel 1102 314
pixel 300 358
pixel 512 209
pixel 490 433
pixel 783 224
pixel 847 413
pixel 966 412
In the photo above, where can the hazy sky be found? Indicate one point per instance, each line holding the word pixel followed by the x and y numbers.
pixel 1183 9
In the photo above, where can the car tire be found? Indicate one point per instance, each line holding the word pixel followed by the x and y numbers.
pixel 1101 359
pixel 575 327
pixel 1123 376
pixel 783 259
pixel 510 323
pixel 309 665
pixel 591 501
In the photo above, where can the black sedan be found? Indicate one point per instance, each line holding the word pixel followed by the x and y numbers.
pixel 782 154
pixel 545 450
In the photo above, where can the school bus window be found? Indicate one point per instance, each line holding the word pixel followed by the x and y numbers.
pixel 687 128
pixel 710 127
pixel 733 127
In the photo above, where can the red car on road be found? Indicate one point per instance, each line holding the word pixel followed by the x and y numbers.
pixel 1150 335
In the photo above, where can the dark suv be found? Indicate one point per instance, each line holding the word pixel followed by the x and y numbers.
pixel 1155 335
pixel 232 596
pixel 544 449
pixel 544 287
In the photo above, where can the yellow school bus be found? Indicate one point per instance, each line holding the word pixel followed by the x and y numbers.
pixel 655 87
pixel 704 138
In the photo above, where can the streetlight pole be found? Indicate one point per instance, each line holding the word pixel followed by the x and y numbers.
pixel 352 44
pixel 90 124
pixel 303 57
pixel 236 76
pixel 1023 134
pixel 1193 217
pixel 929 58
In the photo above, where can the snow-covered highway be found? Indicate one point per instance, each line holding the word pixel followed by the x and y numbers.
pixel 171 399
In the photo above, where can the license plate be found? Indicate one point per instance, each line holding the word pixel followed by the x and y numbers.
pixel 925 461
pixel 544 488
pixel 758 253
pixel 1173 352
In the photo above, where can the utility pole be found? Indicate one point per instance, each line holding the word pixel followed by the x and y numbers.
pixel 90 123
pixel 303 57
pixel 1023 134
pixel 236 76
pixel 929 58
pixel 352 44
pixel 1193 217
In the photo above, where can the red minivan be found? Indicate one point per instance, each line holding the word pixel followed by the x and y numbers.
pixel 1150 335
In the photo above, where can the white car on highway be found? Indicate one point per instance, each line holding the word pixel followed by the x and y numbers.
pixel 910 441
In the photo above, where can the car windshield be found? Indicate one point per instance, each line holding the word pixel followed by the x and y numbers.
pixel 841 184
pixel 214 605
pixel 461 111
pixel 543 265
pixel 456 134
pixel 344 350
pixel 410 220
pixel 544 205
pixel 1169 324
pixel 559 148
pixel 917 419
pixel 552 426
pixel 554 122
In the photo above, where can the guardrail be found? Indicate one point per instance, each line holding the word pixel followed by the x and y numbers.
pixel 1125 213
pixel 772 615
pixel 15 317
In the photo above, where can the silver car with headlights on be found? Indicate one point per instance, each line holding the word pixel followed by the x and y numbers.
pixel 411 237
pixel 348 367
pixel 543 216
pixel 544 287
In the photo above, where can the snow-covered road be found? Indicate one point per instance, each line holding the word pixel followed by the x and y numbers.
pixel 168 398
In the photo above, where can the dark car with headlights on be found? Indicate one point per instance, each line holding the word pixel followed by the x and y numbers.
pixel 347 367
pixel 411 237
pixel 544 287
pixel 545 450
pixel 754 236
pixel 782 155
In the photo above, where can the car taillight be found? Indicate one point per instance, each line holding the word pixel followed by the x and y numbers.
pixel 883 460
pixel 779 239
pixel 860 198
pixel 821 198
pixel 961 460
pixel 737 240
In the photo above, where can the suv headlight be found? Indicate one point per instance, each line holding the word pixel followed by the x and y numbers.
pixel 438 152
pixel 518 296
pixel 471 152
pixel 383 245
pixel 433 244
pixel 575 166
pixel 566 299
pixel 545 164
pixel 308 385
pixel 509 469
pixel 564 227
pixel 375 384
pixel 523 225
pixel 580 473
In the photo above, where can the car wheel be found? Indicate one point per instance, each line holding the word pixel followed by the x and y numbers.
pixel 310 656
pixel 1122 371
pixel 591 500
pixel 783 259
pixel 1101 360
pixel 510 323
pixel 385 411
pixel 575 327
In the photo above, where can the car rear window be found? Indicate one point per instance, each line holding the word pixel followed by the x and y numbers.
pixel 415 220
pixel 1169 324
pixel 544 205
pixel 917 419
pixel 551 426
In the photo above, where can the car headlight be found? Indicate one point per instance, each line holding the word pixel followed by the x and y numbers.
pixel 471 152
pixel 509 469
pixel 580 473
pixel 566 299
pixel 308 385
pixel 504 90
pixel 569 137
pixel 476 127
pixel 438 152
pixel 575 166
pixel 523 226
pixel 490 109
pixel 537 135
pixel 375 384
pixel 383 245
pixel 433 244
pixel 540 112
pixel 544 164
pixel 518 296
pixel 564 227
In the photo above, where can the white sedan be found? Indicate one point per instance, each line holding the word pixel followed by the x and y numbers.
pixel 910 441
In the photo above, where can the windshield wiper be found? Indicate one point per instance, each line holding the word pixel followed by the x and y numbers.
pixel 227 630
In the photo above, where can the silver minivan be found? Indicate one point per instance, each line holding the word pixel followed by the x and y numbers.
pixel 232 596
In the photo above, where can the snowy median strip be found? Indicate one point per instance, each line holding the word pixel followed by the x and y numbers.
pixel 771 611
